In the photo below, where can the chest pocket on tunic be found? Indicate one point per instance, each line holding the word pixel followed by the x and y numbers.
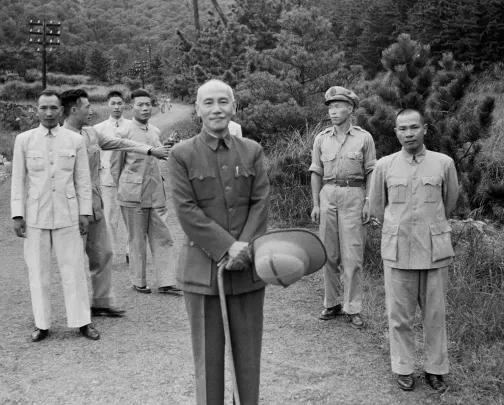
pixel 203 183
pixel 35 160
pixel 432 186
pixel 397 188
pixel 329 162
pixel 244 179
pixel 66 159
pixel 354 164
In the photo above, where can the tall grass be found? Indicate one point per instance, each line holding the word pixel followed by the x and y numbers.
pixel 288 162
pixel 475 315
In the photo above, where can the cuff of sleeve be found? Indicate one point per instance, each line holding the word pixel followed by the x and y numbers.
pixel 316 168
pixel 369 166
pixel 17 213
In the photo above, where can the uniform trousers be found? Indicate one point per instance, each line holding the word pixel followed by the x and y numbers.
pixel 98 246
pixel 151 223
pixel 67 243
pixel 111 211
pixel 404 289
pixel 245 313
pixel 343 233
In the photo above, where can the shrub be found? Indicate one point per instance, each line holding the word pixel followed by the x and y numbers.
pixel 20 91
pixel 60 79
pixel 32 75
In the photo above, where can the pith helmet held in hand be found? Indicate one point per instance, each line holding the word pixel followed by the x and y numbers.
pixel 283 257
pixel 337 93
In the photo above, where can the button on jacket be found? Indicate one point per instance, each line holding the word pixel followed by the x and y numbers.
pixel 220 195
pixel 349 159
pixel 94 141
pixel 139 179
pixel 51 184
pixel 412 197
pixel 111 127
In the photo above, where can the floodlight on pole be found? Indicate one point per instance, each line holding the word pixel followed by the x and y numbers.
pixel 44 33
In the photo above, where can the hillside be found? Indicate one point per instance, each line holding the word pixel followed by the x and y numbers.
pixel 119 28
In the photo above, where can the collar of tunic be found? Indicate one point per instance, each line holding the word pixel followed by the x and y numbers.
pixel 212 141
pixel 418 157
pixel 116 122
pixel 349 132
pixel 145 127
pixel 45 131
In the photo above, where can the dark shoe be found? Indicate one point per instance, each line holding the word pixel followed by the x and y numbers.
pixel 171 289
pixel 89 332
pixel 144 290
pixel 39 334
pixel 330 313
pixel 406 382
pixel 355 320
pixel 127 258
pixel 112 312
pixel 436 382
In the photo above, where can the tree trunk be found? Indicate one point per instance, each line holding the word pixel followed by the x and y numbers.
pixel 196 17
pixel 219 11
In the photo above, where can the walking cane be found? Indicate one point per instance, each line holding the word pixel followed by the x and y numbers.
pixel 227 333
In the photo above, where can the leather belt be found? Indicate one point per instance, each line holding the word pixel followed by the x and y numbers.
pixel 346 183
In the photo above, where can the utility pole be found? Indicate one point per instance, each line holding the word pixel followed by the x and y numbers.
pixel 141 69
pixel 44 31
pixel 111 65
pixel 149 50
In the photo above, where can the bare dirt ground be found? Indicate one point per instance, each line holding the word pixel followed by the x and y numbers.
pixel 146 358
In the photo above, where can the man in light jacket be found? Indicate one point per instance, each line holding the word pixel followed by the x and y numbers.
pixel 50 203
pixel 413 193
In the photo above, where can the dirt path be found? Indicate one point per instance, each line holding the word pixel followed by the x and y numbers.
pixel 145 358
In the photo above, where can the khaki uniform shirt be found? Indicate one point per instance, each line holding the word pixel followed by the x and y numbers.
pixel 94 143
pixel 51 184
pixel 351 158
pixel 220 193
pixel 413 196
pixel 116 128
pixel 139 179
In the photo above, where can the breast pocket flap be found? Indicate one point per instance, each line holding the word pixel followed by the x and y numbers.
pixel 327 157
pixel 67 153
pixel 70 192
pixel 244 171
pixel 200 174
pixel 34 153
pixel 355 155
pixel 432 181
pixel 390 229
pixel 397 181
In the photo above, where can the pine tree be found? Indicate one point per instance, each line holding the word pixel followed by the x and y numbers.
pixel 413 80
pixel 379 29
pixel 156 72
pixel 287 83
pixel 98 65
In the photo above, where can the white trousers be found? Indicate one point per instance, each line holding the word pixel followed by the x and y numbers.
pixel 405 289
pixel 68 246
pixel 151 223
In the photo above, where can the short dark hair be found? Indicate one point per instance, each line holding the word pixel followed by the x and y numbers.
pixel 115 93
pixel 139 93
pixel 70 98
pixel 407 110
pixel 49 93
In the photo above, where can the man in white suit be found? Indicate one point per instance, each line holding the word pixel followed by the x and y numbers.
pixel 50 202
pixel 116 125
